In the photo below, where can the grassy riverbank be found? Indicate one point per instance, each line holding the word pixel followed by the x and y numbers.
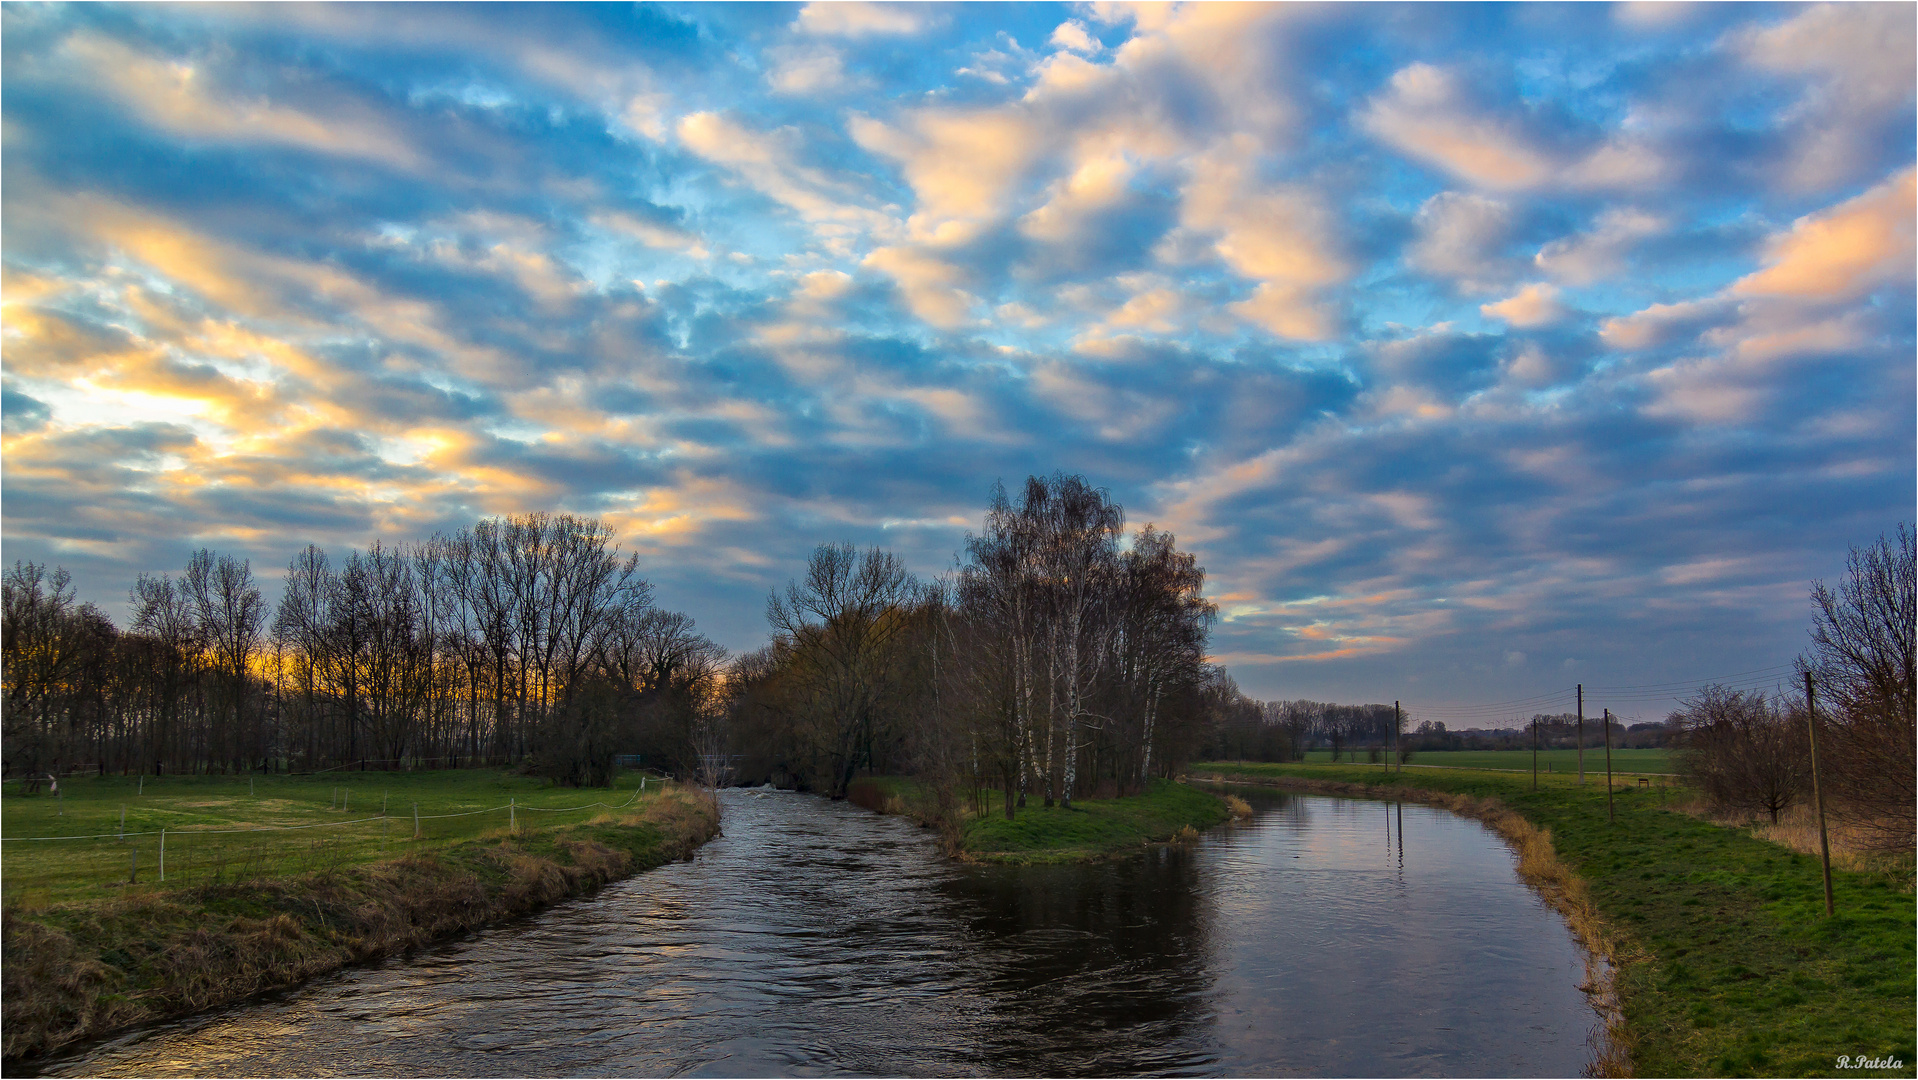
pixel 1090 829
pixel 83 968
pixel 1727 965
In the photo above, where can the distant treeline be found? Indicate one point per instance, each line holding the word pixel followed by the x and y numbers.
pixel 1057 661
pixel 1284 730
pixel 528 639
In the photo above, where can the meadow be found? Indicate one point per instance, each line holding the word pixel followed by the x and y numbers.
pixel 1643 760
pixel 1728 965
pixel 228 828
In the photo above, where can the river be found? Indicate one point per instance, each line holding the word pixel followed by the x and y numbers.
pixel 1323 937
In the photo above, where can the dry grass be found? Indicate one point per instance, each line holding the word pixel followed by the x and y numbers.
pixel 1854 845
pixel 1238 807
pixel 1539 867
pixel 77 971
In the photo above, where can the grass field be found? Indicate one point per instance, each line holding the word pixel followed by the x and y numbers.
pixel 341 819
pixel 1729 966
pixel 132 954
pixel 1553 761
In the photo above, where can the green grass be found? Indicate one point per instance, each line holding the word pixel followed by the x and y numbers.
pixel 1554 761
pixel 1730 966
pixel 1092 828
pixel 88 968
pixel 38 873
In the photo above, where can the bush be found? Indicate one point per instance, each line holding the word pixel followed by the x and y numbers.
pixel 1744 751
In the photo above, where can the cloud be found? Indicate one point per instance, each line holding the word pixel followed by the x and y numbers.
pixel 1844 252
pixel 1278 236
pixel 1534 305
pixel 1857 62
pixel 1072 35
pixel 184 98
pixel 1427 112
pixel 1435 115
pixel 1462 238
pixel 852 18
pixel 771 162
pixel 806 70
pixel 1594 256
pixel 930 285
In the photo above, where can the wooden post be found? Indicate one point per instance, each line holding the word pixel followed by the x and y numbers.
pixel 1610 815
pixel 133 867
pixel 416 821
pixel 512 814
pixel 1581 734
pixel 162 854
pixel 1397 734
pixel 1817 794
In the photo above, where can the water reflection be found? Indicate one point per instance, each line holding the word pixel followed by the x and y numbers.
pixel 817 938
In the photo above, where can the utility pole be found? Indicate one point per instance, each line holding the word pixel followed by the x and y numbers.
pixel 1610 815
pixel 1817 794
pixel 1397 734
pixel 1581 734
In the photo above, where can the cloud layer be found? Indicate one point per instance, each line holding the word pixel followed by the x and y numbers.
pixel 1444 336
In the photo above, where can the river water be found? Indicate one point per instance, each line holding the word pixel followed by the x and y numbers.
pixel 1325 937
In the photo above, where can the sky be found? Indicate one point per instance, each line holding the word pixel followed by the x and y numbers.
pixel 1477 352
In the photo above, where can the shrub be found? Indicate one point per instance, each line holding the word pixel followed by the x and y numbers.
pixel 1744 751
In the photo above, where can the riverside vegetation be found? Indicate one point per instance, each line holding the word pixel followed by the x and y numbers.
pixel 1087 830
pixel 1725 963
pixel 107 956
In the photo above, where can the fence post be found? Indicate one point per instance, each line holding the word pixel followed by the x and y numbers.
pixel 133 868
pixel 416 821
pixel 1610 816
pixel 512 814
pixel 162 854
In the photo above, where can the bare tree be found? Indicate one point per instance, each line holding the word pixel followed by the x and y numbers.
pixel 1744 751
pixel 839 624
pixel 1863 656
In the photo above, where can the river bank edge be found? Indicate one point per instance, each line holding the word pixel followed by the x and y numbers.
pixel 1091 830
pixel 1540 868
pixel 1726 963
pixel 85 971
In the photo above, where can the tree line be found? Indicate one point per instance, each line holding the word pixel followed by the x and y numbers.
pixel 526 640
pixel 1060 659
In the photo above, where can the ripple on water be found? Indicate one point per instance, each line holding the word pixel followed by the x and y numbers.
pixel 1323 937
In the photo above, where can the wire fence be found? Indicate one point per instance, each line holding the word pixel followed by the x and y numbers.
pixel 93 864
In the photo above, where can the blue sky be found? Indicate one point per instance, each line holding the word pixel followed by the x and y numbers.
pixel 1477 351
